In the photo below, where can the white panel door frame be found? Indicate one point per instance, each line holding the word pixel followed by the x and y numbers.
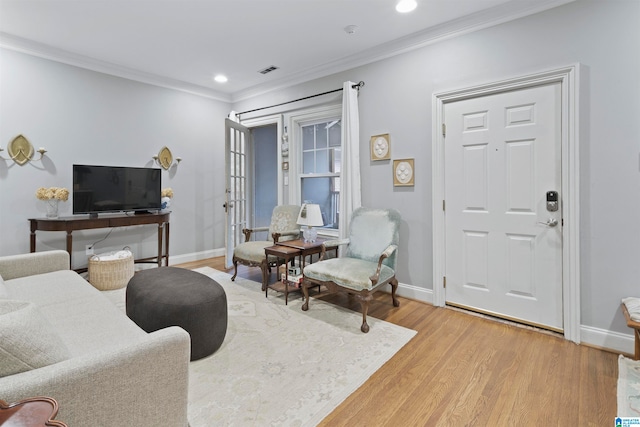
pixel 568 77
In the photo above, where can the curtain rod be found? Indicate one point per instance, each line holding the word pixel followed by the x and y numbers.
pixel 356 86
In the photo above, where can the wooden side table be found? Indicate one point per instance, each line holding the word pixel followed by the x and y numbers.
pixel 636 330
pixel 31 412
pixel 288 250
pixel 287 254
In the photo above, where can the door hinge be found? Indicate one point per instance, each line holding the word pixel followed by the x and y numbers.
pixel 444 130
pixel 443 205
pixel 444 281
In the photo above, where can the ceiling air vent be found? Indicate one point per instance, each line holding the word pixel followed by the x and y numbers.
pixel 268 69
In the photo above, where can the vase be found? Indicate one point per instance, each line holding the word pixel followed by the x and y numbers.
pixel 165 203
pixel 52 208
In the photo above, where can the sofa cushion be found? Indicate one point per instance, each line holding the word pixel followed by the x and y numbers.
pixel 351 273
pixel 27 340
pixel 85 320
pixel 4 292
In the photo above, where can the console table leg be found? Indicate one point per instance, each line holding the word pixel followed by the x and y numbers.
pixel 166 243
pixel 159 245
pixel 69 246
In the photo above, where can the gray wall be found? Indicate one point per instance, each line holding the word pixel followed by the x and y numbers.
pixel 85 117
pixel 602 36
pixel 81 116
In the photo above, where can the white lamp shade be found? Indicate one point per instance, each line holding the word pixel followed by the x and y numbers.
pixel 310 215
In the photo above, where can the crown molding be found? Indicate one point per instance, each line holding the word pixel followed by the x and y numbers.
pixel 465 25
pixel 483 19
pixel 18 44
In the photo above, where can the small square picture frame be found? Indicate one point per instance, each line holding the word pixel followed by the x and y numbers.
pixel 404 173
pixel 380 146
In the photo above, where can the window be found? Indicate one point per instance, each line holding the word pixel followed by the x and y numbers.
pixel 320 175
pixel 315 161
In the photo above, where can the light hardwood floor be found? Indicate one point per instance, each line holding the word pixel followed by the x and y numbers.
pixel 464 370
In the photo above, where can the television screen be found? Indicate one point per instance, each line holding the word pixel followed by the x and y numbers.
pixel 115 189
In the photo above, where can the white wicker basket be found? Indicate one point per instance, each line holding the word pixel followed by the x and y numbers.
pixel 111 270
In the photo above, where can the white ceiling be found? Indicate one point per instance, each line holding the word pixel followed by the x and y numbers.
pixel 184 43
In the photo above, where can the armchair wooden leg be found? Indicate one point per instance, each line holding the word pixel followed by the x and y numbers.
pixel 305 293
pixel 394 287
pixel 235 269
pixel 364 302
pixel 265 275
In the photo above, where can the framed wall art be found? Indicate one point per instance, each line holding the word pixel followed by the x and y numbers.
pixel 403 173
pixel 380 147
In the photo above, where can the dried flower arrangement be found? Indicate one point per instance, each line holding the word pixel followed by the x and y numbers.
pixel 167 192
pixel 58 193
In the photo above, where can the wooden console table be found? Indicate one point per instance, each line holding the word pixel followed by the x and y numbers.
pixel 72 223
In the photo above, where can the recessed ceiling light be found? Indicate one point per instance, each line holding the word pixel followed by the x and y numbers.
pixel 405 6
pixel 221 78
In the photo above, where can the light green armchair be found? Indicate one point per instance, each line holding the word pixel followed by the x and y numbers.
pixel 251 253
pixel 368 264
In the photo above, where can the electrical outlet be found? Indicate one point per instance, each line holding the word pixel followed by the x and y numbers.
pixel 89 250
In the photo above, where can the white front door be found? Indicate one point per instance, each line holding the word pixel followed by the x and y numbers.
pixel 502 155
pixel 236 153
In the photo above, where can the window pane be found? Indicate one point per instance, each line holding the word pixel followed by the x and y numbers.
pixel 308 162
pixel 321 135
pixel 322 161
pixel 320 191
pixel 335 134
pixel 336 160
pixel 308 137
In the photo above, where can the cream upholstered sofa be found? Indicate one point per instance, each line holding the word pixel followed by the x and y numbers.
pixel 62 338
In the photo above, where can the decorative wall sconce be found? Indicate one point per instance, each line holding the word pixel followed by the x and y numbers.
pixel 165 159
pixel 21 151
pixel 284 147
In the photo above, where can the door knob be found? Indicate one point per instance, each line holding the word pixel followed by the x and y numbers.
pixel 551 222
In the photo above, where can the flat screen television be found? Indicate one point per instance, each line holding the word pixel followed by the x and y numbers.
pixel 99 189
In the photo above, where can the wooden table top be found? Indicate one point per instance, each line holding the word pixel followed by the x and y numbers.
pixel 32 412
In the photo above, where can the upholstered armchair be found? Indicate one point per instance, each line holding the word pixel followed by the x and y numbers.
pixel 368 263
pixel 251 253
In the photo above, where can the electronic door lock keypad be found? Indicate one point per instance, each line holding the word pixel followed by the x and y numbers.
pixel 552 201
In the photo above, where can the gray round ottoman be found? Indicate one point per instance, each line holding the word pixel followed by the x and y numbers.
pixel 170 296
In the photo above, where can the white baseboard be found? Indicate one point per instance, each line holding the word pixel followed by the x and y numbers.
pixel 415 292
pixel 195 256
pixel 601 338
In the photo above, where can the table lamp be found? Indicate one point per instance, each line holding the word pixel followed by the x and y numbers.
pixel 310 216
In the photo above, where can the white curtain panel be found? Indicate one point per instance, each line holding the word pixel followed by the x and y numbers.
pixel 350 196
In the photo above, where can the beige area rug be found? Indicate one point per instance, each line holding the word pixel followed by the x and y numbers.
pixel 628 387
pixel 279 365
